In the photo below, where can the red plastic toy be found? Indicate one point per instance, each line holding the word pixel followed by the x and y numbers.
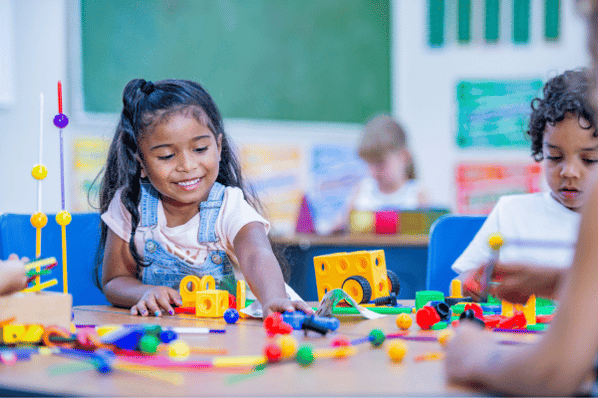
pixel 275 325
pixel 426 317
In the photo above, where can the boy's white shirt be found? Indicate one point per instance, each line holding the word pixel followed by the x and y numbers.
pixel 182 240
pixel 534 217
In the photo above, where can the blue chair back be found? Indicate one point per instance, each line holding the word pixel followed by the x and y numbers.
pixel 82 237
pixel 449 237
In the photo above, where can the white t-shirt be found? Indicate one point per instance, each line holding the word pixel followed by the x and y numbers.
pixel 369 197
pixel 182 241
pixel 536 217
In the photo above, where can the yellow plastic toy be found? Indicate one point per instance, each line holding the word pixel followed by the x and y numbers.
pixel 202 294
pixel 362 274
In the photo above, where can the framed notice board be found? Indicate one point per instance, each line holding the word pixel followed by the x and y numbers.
pixel 305 60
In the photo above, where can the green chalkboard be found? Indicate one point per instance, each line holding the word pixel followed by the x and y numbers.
pixel 305 60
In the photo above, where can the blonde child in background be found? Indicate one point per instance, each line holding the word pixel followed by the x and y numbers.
pixel 391 184
pixel 174 203
pixel 564 139
pixel 12 275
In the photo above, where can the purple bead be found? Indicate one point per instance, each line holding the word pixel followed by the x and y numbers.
pixel 61 121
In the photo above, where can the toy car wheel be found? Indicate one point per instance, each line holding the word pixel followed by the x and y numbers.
pixel 393 282
pixel 359 288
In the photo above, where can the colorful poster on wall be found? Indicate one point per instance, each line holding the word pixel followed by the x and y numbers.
pixel 335 172
pixel 479 186
pixel 494 114
pixel 276 173
pixel 89 156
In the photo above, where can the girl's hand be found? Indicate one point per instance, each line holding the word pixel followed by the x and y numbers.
pixel 155 300
pixel 285 305
pixel 12 274
pixel 517 282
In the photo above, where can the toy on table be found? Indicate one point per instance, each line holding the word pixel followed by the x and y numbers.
pixel 362 274
pixel 201 298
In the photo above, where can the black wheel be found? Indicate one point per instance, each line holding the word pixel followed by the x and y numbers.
pixel 359 288
pixel 393 282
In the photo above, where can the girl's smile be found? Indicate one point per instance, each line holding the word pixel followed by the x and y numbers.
pixel 181 157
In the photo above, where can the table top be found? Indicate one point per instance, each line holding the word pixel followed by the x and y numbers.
pixel 307 240
pixel 368 372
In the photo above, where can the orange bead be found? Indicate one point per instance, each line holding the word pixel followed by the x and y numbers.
pixel 39 220
pixel 404 321
pixel 63 218
pixel 39 172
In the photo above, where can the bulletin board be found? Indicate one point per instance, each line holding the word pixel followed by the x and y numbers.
pixel 326 61
pixel 494 113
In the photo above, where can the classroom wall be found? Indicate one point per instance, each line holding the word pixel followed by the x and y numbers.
pixel 425 79
pixel 422 97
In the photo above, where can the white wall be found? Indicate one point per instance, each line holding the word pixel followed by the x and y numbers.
pixel 422 88
pixel 425 79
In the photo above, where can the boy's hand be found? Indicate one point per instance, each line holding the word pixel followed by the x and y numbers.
pixel 472 283
pixel 466 353
pixel 285 305
pixel 517 282
pixel 12 274
pixel 156 300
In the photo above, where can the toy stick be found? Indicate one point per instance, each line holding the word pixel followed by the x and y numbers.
pixel 430 356
pixel 63 218
pixel 40 263
pixel 170 377
pixel 41 286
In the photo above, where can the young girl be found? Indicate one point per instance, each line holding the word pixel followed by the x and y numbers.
pixel 173 204
pixel 392 183
pixel 563 135
pixel 12 275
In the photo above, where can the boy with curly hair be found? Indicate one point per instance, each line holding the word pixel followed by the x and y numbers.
pixel 564 138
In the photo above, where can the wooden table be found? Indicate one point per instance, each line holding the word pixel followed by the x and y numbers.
pixel 369 372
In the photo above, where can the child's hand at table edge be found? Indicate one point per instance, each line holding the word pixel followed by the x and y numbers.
pixel 12 274
pixel 517 282
pixel 285 305
pixel 156 300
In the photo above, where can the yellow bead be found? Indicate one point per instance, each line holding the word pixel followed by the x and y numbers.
pixel 39 172
pixel 63 218
pixel 288 346
pixel 404 321
pixel 445 336
pixel 39 220
pixel 397 350
pixel 495 241
pixel 179 349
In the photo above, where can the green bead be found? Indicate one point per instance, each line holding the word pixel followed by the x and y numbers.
pixel 305 355
pixel 537 326
pixel 458 308
pixel 439 326
pixel 149 344
pixel 377 337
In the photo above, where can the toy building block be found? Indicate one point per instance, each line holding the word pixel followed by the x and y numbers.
pixel 241 298
pixel 189 285
pixel 426 317
pixel 362 274
pixel 44 308
pixel 507 309
pixel 442 309
pixel 456 290
pixel 529 309
pixel 361 222
pixel 387 222
pixel 299 320
pixel 125 338
pixel 424 296
pixel 211 303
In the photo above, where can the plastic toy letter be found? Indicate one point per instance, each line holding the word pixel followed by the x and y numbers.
pixel 331 298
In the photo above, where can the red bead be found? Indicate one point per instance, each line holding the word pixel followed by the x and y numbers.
pixel 232 301
pixel 340 341
pixel 275 325
pixel 272 352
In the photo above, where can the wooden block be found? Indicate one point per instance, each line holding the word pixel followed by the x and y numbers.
pixel 42 308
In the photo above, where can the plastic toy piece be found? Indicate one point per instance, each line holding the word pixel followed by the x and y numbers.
pixel 477 310
pixel 442 309
pixel 299 320
pixel 184 310
pixel 445 336
pixel 404 321
pixel 425 296
pixel 376 337
pixel 430 356
pixel 231 362
pixel 338 352
pixel 439 326
pixel 340 341
pixel 231 315
pixel 275 325
pixel 241 298
pixel 388 300
pixel 340 270
pixel 148 344
pixel 396 351
pixel 288 345
pixel 125 338
pixel 387 222
pixel 272 352
pixel 211 303
pixel 188 287
pixel 305 355
pixel 426 317
pixel 361 222
pixel 456 289
pixel 179 350
pixel 394 283
pixel 517 321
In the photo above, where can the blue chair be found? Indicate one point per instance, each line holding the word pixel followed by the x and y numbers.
pixel 82 237
pixel 449 236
